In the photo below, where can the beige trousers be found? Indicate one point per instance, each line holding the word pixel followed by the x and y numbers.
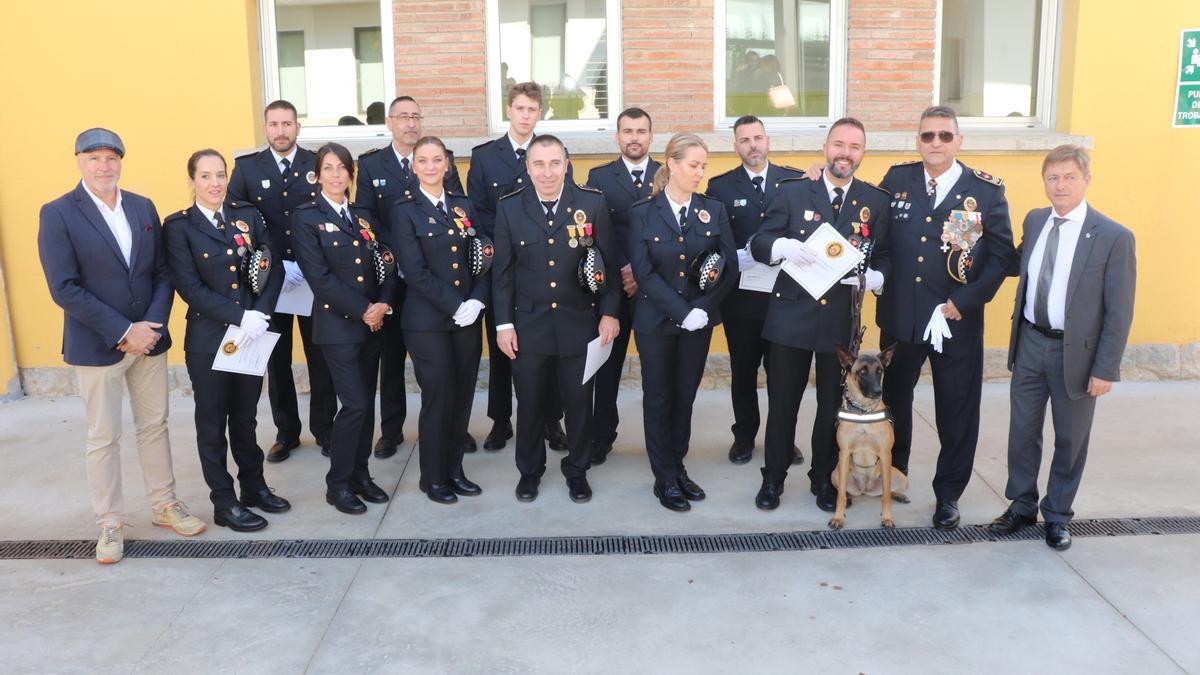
pixel 102 392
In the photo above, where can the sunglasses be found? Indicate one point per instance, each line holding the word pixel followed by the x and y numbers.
pixel 927 136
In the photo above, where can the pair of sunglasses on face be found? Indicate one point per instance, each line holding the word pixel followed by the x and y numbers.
pixel 943 136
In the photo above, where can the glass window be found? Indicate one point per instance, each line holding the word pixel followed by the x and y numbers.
pixel 564 46
pixel 778 58
pixel 991 57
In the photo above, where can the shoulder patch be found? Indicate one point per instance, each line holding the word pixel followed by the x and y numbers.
pixel 514 192
pixel 792 168
pixel 588 188
pixel 988 178
pixel 178 215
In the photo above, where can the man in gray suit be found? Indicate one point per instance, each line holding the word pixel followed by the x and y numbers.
pixel 1074 306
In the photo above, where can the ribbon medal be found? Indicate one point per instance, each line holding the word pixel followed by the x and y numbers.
pixel 241 225
pixel 572 232
pixel 588 240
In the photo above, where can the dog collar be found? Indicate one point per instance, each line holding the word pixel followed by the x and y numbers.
pixel 864 418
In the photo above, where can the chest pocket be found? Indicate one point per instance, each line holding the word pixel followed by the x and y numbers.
pixel 527 246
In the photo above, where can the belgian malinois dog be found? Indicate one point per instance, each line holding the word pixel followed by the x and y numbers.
pixel 865 438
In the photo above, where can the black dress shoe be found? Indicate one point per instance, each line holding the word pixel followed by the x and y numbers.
pixel 344 500
pixel 556 438
pixel 767 498
pixel 945 517
pixel 827 496
pixel 1009 522
pixel 579 489
pixel 527 488
pixel 386 447
pixel 462 485
pixel 239 519
pixel 368 490
pixel 470 444
pixel 281 450
pixel 600 452
pixel 741 451
pixel 325 444
pixel 690 489
pixel 438 492
pixel 325 449
pixel 671 497
pixel 498 436
pixel 1058 537
pixel 267 500
pixel 797 456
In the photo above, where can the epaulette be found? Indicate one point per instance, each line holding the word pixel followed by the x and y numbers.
pixel 178 215
pixel 872 185
pixel 726 173
pixel 308 205
pixel 514 192
pixel 908 163
pixel 482 145
pixel 988 178
pixel 791 168
pixel 643 201
pixel 588 188
pixel 791 179
pixel 247 155
pixel 237 205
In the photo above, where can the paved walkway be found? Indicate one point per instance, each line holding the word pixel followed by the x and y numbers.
pixel 1124 604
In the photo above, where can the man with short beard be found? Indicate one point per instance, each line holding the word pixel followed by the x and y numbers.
pixel 801 328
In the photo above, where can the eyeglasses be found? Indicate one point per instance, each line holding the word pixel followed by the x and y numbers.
pixel 944 136
pixel 407 118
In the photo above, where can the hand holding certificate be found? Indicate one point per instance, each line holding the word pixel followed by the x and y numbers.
pixel 248 357
pixel 835 257
pixel 596 356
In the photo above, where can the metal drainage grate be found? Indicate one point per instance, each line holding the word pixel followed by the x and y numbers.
pixel 601 545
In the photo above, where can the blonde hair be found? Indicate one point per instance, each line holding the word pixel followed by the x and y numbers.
pixel 677 147
pixel 1069 153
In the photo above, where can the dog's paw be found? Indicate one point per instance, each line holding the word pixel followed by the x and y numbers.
pixel 900 497
pixel 836 522
pixel 888 523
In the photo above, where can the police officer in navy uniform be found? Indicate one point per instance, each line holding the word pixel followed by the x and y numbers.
pixel 624 181
pixel 498 168
pixel 677 307
pixel 211 247
pixel 433 229
pixel 928 277
pixel 275 181
pixel 545 315
pixel 342 255
pixel 746 192
pixel 385 175
pixel 801 329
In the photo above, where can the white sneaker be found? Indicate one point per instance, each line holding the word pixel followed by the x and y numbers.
pixel 110 547
pixel 175 516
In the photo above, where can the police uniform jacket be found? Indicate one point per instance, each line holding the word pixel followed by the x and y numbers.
pixel 795 318
pixel 535 283
pixel 495 171
pixel 339 267
pixel 256 179
pixel 736 192
pixel 435 259
pixel 615 181
pixel 382 181
pixel 662 257
pixel 919 280
pixel 204 267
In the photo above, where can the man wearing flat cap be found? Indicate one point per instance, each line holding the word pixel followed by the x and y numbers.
pixel 102 252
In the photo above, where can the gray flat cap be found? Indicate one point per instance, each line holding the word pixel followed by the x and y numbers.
pixel 98 139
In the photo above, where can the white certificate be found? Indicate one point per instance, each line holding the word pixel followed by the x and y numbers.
pixel 296 300
pixel 247 359
pixel 596 356
pixel 835 257
pixel 758 277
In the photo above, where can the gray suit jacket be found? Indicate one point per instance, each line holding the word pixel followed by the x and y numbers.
pixel 1099 307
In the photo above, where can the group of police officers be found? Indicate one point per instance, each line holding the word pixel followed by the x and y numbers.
pixel 405 268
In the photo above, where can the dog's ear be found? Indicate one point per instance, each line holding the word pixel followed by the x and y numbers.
pixel 845 357
pixel 885 357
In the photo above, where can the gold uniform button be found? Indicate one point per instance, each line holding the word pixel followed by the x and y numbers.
pixel 359 279
pixel 552 263
pixel 326 306
pixel 228 251
pixel 924 239
pixel 802 232
pixel 287 213
pixel 260 199
pixel 335 243
pixel 285 193
pixel 287 232
pixel 554 305
pixel 681 239
pixel 233 268
pixel 454 266
pixel 824 301
pixel 553 284
pixel 457 282
pixel 205 255
pixel 355 242
pixel 928 219
pixel 520 180
pixel 920 258
pixel 918 280
pixel 550 241
pixel 682 256
pixel 358 261
pixel 233 285
pixel 454 249
pixel 778 295
pixel 289 251
pixel 681 274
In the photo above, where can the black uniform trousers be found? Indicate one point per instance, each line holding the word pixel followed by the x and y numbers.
pixel 537 377
pixel 500 381
pixel 957 389
pixel 281 387
pixel 747 349
pixel 608 380
pixel 672 367
pixel 787 379
pixel 446 364
pixel 226 401
pixel 355 371
pixel 393 402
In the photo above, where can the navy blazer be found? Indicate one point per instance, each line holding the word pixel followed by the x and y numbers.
pixel 615 181
pixel 381 181
pixel 495 171
pixel 256 179
pixel 100 294
pixel 746 213
pixel 919 280
pixel 435 259
pixel 795 318
pixel 662 257
pixel 204 268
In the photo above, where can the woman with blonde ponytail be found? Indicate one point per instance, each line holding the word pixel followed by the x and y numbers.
pixel 672 235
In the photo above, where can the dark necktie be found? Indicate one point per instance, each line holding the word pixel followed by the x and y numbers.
pixel 287 164
pixel 758 189
pixel 932 192
pixel 441 207
pixel 549 206
pixel 404 166
pixel 520 154
pixel 837 201
pixel 637 178
pixel 220 220
pixel 1041 298
pixel 682 218
pixel 346 217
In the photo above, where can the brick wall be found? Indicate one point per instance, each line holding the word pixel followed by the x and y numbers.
pixel 668 51
pixel 890 52
pixel 441 61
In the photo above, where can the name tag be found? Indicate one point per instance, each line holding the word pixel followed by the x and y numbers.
pixel 739 202
pixel 266 183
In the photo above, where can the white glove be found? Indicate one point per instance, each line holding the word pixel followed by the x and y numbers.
pixel 467 313
pixel 253 324
pixel 794 251
pixel 695 320
pixel 292 276
pixel 938 329
pixel 874 280
pixel 745 260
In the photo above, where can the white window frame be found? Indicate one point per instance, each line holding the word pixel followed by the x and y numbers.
pixel 496 99
pixel 1047 74
pixel 269 58
pixel 838 58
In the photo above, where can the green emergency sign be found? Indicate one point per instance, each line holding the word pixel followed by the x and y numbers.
pixel 1187 92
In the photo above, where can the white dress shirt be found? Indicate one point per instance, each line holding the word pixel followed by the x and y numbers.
pixel 630 166
pixel 211 215
pixel 290 157
pixel 675 208
pixel 400 158
pixel 762 173
pixel 830 186
pixel 1068 237
pixel 434 200
pixel 520 146
pixel 945 182
pixel 342 209
pixel 116 221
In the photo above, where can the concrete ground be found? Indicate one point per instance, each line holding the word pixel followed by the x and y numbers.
pixel 1122 604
